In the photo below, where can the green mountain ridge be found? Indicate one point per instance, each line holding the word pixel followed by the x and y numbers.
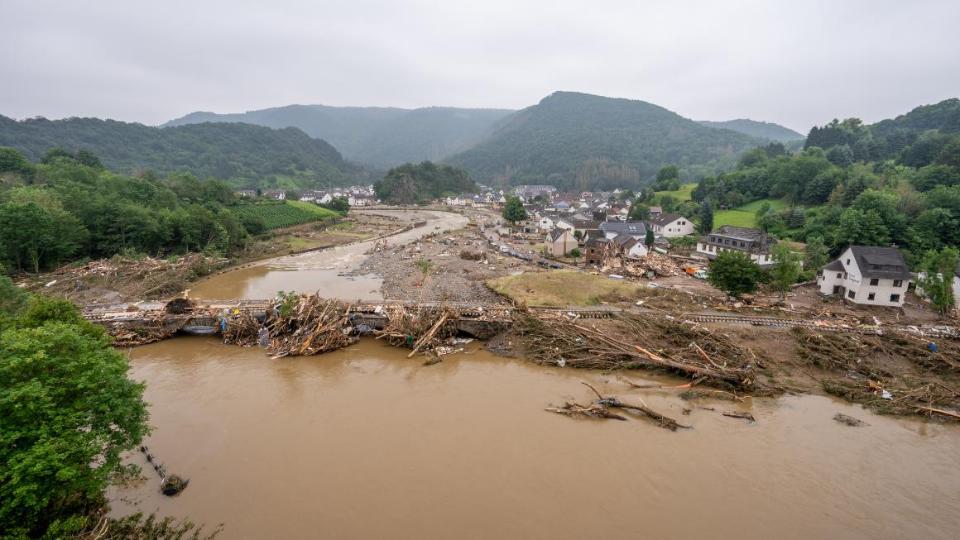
pixel 755 128
pixel 246 154
pixel 374 136
pixel 580 141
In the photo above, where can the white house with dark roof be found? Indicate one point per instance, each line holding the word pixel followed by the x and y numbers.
pixel 671 225
pixel 613 229
pixel 867 275
pixel 754 242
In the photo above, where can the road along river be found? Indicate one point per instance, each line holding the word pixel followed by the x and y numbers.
pixel 366 443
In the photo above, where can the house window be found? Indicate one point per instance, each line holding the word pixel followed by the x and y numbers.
pixel 851 295
pixel 848 262
pixel 874 282
pixel 839 275
pixel 872 296
pixel 894 297
pixel 898 283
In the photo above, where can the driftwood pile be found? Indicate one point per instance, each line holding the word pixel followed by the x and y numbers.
pixel 667 344
pixel 142 333
pixel 419 329
pixel 869 369
pixel 312 325
pixel 600 408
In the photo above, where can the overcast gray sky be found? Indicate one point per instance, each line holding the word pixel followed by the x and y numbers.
pixel 797 63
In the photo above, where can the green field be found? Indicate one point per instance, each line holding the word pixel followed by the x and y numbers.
pixel 680 195
pixel 746 215
pixel 278 214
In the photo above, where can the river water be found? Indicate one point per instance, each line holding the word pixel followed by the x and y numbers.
pixel 323 271
pixel 365 443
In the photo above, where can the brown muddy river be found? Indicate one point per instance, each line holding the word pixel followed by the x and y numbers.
pixel 365 443
pixel 320 271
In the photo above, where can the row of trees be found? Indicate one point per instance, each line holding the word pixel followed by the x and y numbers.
pixel 68 206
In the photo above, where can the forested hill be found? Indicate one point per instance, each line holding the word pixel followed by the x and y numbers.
pixel 913 138
pixel 375 136
pixel 247 155
pixel 761 130
pixel 580 141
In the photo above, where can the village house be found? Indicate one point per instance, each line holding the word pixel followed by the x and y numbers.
pixel 559 242
pixel 754 242
pixel 867 275
pixel 595 248
pixel 629 246
pixel 613 229
pixel 655 211
pixel 276 194
pixel 248 193
pixel 956 286
pixel 671 225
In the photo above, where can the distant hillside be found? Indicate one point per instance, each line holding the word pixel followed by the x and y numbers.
pixel 375 136
pixel 581 141
pixel 248 155
pixel 912 138
pixel 760 130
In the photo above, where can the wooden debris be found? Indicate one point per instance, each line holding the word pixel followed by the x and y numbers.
pixel 740 414
pixel 601 409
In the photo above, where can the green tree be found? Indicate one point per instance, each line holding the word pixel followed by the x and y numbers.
pixel 638 211
pixel 786 268
pixel 649 239
pixel 575 254
pixel 816 255
pixel 513 210
pixel 69 411
pixel 937 283
pixel 338 204
pixel 734 273
pixel 705 226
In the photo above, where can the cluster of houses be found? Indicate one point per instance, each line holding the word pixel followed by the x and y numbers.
pixel 355 195
pixel 866 275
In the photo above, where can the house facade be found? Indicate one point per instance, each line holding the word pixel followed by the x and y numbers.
pixel 559 242
pixel 867 275
pixel 671 225
pixel 754 242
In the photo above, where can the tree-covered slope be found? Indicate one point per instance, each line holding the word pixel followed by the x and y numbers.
pixel 247 154
pixel 374 136
pixel 913 138
pixel 581 141
pixel 760 130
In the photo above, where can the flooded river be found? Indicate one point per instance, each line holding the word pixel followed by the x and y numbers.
pixel 324 271
pixel 365 443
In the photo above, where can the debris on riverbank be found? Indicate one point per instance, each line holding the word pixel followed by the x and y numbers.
pixel 121 278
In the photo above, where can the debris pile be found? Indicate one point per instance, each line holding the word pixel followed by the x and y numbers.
pixel 419 329
pixel 868 369
pixel 669 345
pixel 307 325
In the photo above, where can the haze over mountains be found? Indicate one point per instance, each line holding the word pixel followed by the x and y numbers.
pixel 763 130
pixel 379 137
pixel 570 140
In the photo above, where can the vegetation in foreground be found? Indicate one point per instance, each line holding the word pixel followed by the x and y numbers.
pixel 69 411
